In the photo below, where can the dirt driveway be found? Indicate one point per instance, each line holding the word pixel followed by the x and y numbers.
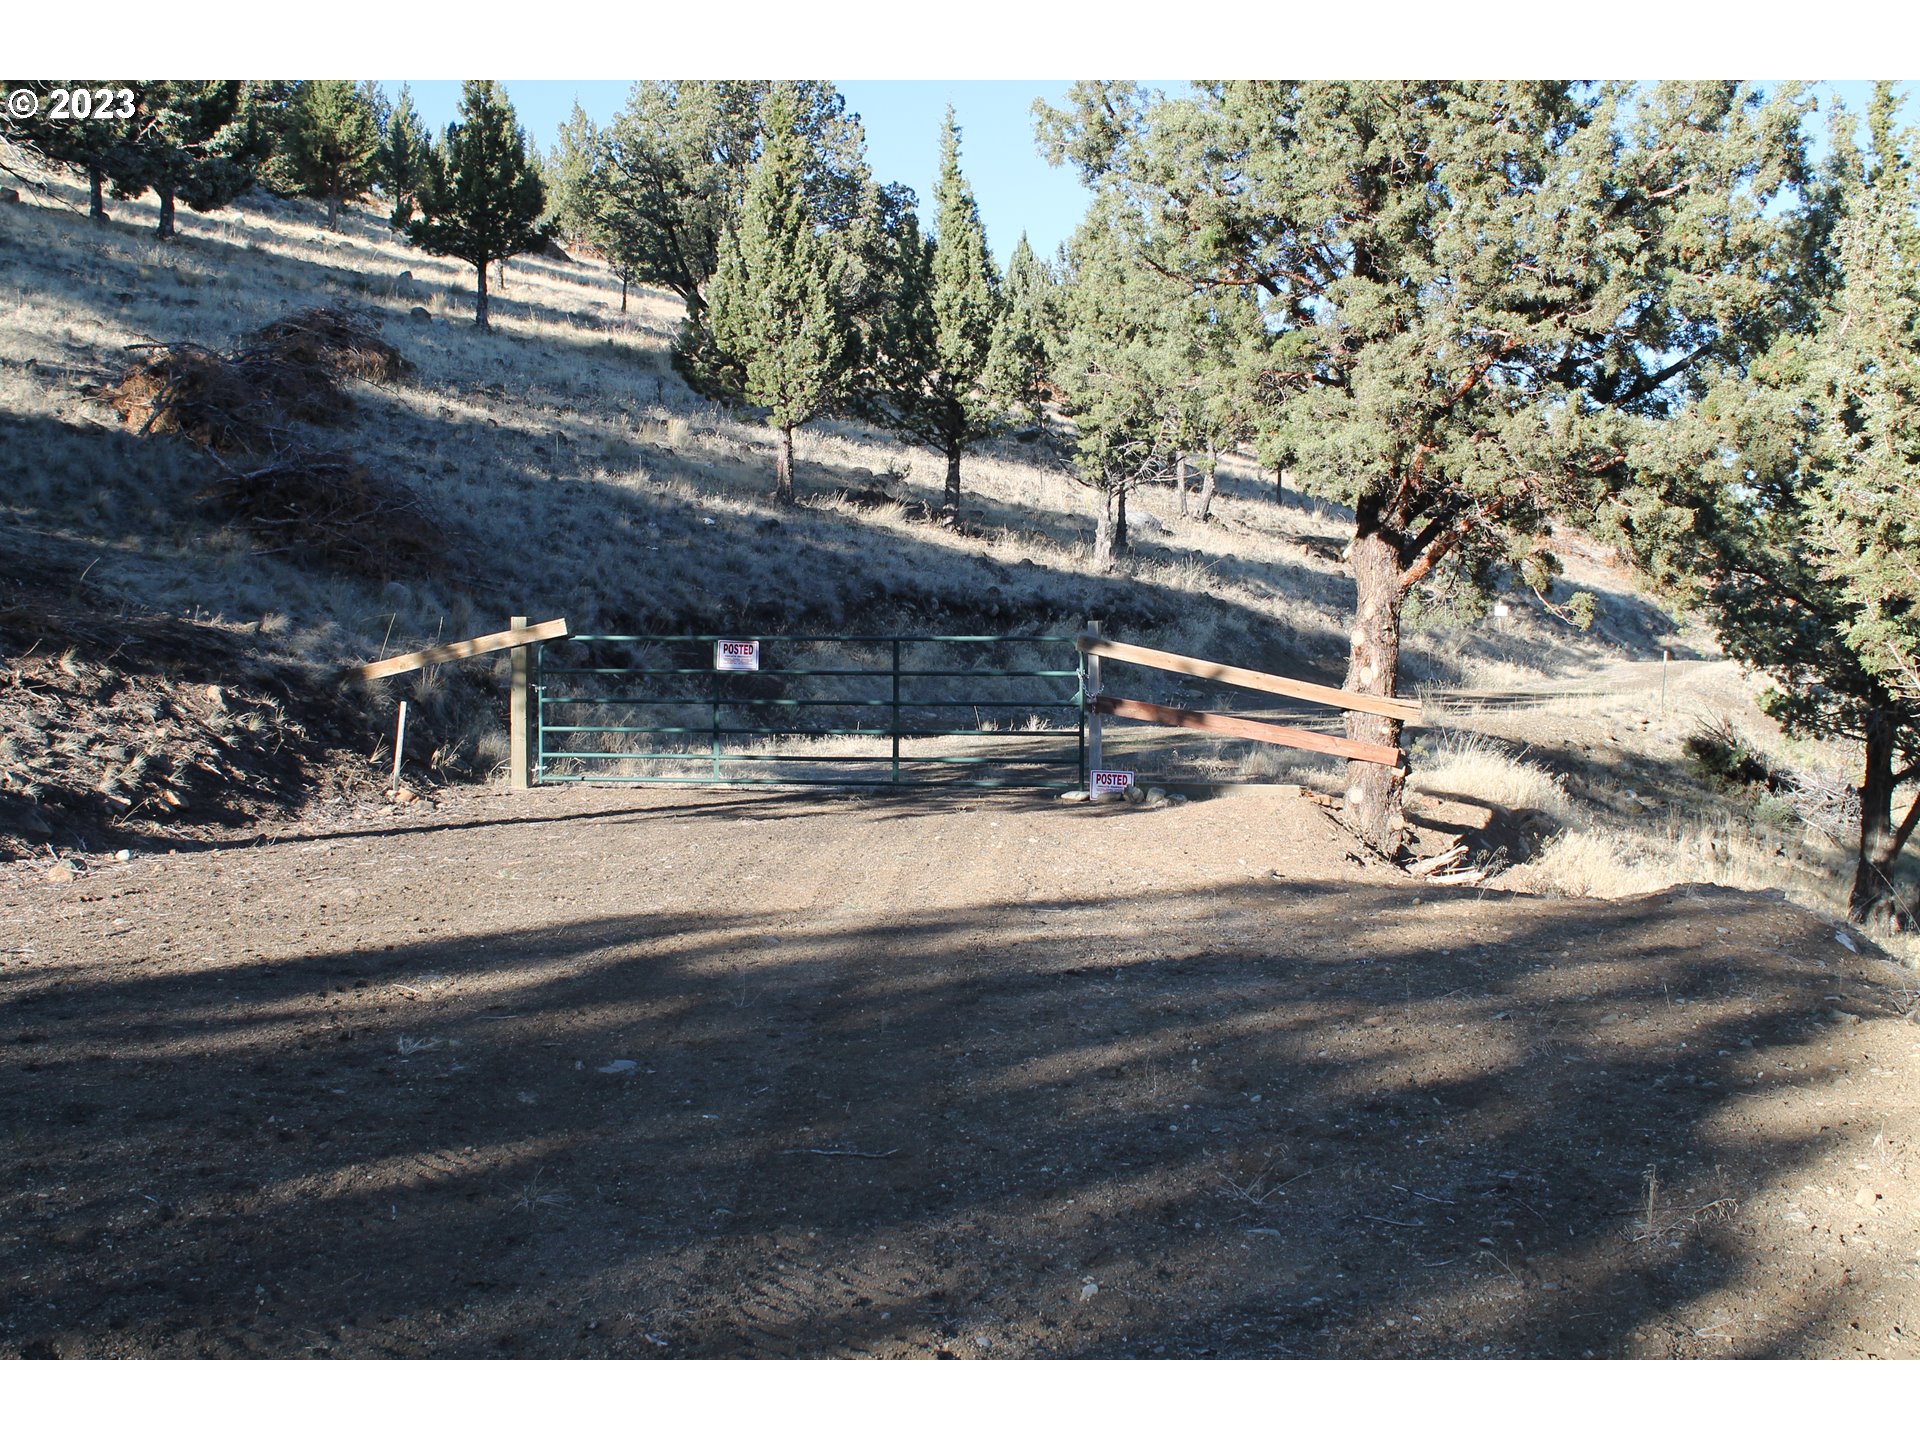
pixel 691 1074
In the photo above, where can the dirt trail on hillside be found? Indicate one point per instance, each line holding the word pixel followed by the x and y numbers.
pixel 677 1073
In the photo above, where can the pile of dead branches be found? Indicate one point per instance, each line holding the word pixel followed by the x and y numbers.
pixel 244 405
pixel 326 504
pixel 339 343
pixel 242 402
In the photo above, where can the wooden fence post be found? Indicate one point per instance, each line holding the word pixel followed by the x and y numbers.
pixel 1093 719
pixel 519 718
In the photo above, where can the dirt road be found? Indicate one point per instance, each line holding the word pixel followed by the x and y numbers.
pixel 690 1074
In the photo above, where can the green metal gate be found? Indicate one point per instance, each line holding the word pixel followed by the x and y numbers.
pixel 844 710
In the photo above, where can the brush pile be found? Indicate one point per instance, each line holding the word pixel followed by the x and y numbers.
pixel 245 406
pixel 326 504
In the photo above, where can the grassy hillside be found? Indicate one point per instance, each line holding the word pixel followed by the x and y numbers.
pixel 568 471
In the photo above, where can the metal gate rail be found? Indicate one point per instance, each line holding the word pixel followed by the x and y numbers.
pixel 558 711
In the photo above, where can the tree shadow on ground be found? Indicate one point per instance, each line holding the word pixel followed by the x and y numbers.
pixel 1278 1124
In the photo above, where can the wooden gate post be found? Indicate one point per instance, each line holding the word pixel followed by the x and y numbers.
pixel 1093 717
pixel 520 717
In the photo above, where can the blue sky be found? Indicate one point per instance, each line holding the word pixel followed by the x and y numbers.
pixel 1016 189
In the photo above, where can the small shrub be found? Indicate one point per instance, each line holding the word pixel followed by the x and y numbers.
pixel 1722 757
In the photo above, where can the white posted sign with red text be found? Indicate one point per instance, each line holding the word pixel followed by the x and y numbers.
pixel 736 654
pixel 1109 782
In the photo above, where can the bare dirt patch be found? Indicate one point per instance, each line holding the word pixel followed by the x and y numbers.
pixel 691 1074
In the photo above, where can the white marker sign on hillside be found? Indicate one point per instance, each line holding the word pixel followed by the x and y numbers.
pixel 736 654
pixel 1109 782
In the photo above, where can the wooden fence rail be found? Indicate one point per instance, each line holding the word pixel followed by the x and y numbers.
pixel 460 650
pixel 1095 648
pixel 1247 729
pixel 1392 706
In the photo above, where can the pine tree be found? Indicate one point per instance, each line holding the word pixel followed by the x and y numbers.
pixel 329 144
pixel 932 344
pixel 1473 293
pixel 400 167
pixel 482 202
pixel 1787 502
pixel 775 332
pixel 201 141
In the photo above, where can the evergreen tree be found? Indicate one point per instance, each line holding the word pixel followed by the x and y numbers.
pixel 1787 503
pixel 1473 293
pixel 932 343
pixel 201 141
pixel 401 164
pixel 1112 369
pixel 676 162
pixel 572 173
pixel 775 331
pixel 329 144
pixel 1024 341
pixel 482 202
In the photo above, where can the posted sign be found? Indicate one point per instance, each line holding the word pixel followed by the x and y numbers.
pixel 1109 782
pixel 736 654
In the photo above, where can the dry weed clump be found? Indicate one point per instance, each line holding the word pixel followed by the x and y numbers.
pixel 329 504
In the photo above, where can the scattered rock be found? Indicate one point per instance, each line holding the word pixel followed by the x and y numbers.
pixel 9 195
pixel 619 1067
pixel 63 873
pixel 1089 1290
pixel 123 856
pixel 421 314
pixel 1074 795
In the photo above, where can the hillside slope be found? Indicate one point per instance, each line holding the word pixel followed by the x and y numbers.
pixel 567 470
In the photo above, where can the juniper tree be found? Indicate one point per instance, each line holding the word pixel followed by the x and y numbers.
pixel 1020 367
pixel 932 342
pixel 676 162
pixel 1112 369
pixel 775 331
pixel 400 166
pixel 481 201
pixel 1473 291
pixel 571 172
pixel 201 141
pixel 1788 501
pixel 329 144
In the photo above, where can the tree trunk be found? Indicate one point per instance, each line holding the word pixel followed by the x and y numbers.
pixel 1103 532
pixel 1279 484
pixel 1374 792
pixel 623 294
pixel 1206 483
pixel 96 199
pixel 166 231
pixel 783 467
pixel 1872 901
pixel 480 298
pixel 1120 520
pixel 950 497
pixel 501 278
pixel 1180 482
pixel 333 210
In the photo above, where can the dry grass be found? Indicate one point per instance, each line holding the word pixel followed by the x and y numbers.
pixel 602 490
